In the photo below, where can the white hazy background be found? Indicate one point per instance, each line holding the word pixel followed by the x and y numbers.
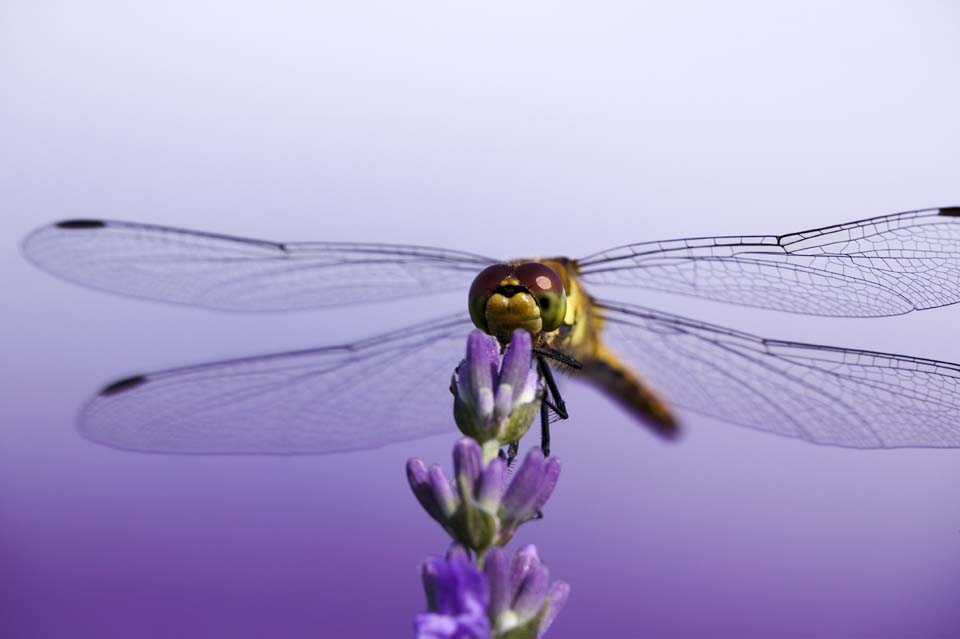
pixel 506 129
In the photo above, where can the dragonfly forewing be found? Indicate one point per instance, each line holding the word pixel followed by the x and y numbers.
pixel 887 265
pixel 240 274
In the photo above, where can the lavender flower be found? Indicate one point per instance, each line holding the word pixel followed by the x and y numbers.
pixel 496 401
pixel 457 597
pixel 480 507
pixel 523 603
pixel 494 404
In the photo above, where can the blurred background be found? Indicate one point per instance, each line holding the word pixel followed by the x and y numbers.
pixel 506 129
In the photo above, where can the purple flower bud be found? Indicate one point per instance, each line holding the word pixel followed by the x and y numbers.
pixel 529 490
pixel 482 507
pixel 494 401
pixel 457 598
pixel 420 483
pixel 521 603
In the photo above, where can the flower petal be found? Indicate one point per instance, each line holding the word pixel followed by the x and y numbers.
pixel 523 493
pixel 524 561
pixel 530 593
pixel 456 552
pixel 517 360
pixel 492 484
pixel 420 484
pixel 443 493
pixel 455 586
pixel 430 625
pixel 556 597
pixel 467 461
pixel 497 570
pixel 473 586
pixel 429 573
pixel 527 392
pixel 503 401
pixel 476 381
pixel 551 474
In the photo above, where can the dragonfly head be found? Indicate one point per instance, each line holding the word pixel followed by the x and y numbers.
pixel 505 297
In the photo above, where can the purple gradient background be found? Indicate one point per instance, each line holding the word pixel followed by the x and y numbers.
pixel 505 130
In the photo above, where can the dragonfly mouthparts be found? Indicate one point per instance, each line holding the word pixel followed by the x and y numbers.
pixel 509 290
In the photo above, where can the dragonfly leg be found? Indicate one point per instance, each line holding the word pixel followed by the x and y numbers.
pixel 545 428
pixel 512 450
pixel 559 356
pixel 558 404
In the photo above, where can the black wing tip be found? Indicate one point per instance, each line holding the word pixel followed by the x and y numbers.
pixel 950 211
pixel 122 385
pixel 80 224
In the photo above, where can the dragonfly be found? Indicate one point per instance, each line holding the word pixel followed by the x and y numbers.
pixel 384 389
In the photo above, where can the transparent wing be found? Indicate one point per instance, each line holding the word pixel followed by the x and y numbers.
pixel 886 265
pixel 238 274
pixel 821 394
pixel 385 389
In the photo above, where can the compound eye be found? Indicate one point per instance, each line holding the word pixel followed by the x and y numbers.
pixel 484 285
pixel 545 285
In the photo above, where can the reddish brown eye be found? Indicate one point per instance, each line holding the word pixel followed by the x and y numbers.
pixel 482 288
pixel 539 278
pixel 487 281
pixel 545 284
